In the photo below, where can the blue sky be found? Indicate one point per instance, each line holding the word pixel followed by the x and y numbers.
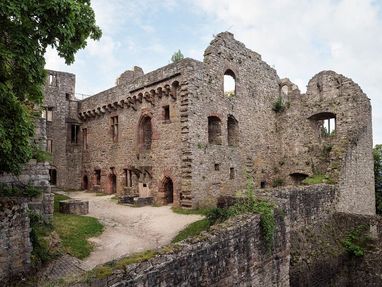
pixel 298 37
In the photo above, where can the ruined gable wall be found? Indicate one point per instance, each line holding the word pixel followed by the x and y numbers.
pixel 144 96
pixel 256 89
pixel 344 156
pixel 59 95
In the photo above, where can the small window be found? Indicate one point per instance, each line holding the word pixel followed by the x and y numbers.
pixel 49 145
pixel 144 185
pixel 74 133
pixel 114 128
pixel 166 113
pixel 325 123
pixel 67 96
pixel 263 184
pixel 85 138
pixel 52 80
pixel 49 114
pixel 229 84
pixel 217 166
pixel 329 127
pixel 145 133
pixel 232 173
pixel 214 131
pixel 98 176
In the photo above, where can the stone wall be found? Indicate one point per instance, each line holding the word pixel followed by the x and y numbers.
pixel 232 254
pixel 305 205
pixel 15 245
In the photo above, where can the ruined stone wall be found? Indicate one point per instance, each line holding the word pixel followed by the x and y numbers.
pixel 232 254
pixel 345 156
pixel 305 205
pixel 256 89
pixel 60 97
pixel 15 245
pixel 145 96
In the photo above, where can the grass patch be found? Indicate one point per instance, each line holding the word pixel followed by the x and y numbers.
pixel 192 230
pixel 74 230
pixel 200 211
pixel 317 179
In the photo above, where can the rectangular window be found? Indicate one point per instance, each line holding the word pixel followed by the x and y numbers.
pixel 217 166
pixel 85 138
pixel 128 178
pixel 49 114
pixel 49 146
pixel 166 113
pixel 329 127
pixel 52 80
pixel 114 128
pixel 74 133
pixel 98 176
pixel 231 173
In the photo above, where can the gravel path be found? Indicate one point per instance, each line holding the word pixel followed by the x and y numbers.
pixel 130 229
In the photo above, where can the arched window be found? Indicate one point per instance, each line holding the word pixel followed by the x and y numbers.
pixel 214 130
pixel 232 131
pixel 229 83
pixel 145 133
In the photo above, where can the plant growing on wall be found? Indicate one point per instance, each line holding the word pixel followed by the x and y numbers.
pixel 279 105
pixel 377 153
pixel 177 56
pixel 27 28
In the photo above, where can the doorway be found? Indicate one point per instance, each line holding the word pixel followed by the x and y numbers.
pixel 52 177
pixel 169 190
pixel 85 183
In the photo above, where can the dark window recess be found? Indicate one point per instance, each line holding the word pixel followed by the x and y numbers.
pixel 146 133
pixel 85 138
pixel 232 131
pixel 128 178
pixel 52 176
pixel 214 130
pixel 166 113
pixel 217 166
pixel 74 133
pixel 67 96
pixel 231 173
pixel 144 185
pixel 114 128
pixel 98 176
pixel 263 184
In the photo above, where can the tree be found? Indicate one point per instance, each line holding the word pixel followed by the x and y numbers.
pixel 377 153
pixel 177 56
pixel 27 28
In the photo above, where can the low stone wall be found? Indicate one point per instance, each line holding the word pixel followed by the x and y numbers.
pixel 231 254
pixel 306 205
pixel 15 245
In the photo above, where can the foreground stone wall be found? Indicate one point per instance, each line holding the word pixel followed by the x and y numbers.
pixel 15 245
pixel 232 254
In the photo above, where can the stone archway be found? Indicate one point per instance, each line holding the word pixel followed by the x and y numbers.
pixel 168 188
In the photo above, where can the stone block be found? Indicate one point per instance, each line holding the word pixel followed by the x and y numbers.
pixel 74 206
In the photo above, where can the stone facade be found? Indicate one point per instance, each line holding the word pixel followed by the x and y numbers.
pixel 15 245
pixel 175 135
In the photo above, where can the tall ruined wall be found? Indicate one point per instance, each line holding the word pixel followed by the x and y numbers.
pixel 144 97
pixel 59 97
pixel 256 89
pixel 233 254
pixel 345 155
pixel 15 245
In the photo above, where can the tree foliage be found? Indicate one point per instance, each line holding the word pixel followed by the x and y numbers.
pixel 27 28
pixel 177 56
pixel 377 153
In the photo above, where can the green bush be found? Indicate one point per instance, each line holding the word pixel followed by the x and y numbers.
pixel 19 190
pixel 278 182
pixel 317 179
pixel 279 105
pixel 357 240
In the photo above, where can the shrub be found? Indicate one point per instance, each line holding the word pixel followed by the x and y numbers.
pixel 357 240
pixel 19 190
pixel 278 182
pixel 279 105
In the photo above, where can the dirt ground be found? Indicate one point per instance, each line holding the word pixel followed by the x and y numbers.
pixel 130 229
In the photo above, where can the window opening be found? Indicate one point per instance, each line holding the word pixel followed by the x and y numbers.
pixel 74 133
pixel 232 131
pixel 214 130
pixel 229 84
pixel 114 128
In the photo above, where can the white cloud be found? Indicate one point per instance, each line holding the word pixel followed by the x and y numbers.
pixel 302 38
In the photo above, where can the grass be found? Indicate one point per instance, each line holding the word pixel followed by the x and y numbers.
pixel 317 179
pixel 185 211
pixel 74 230
pixel 192 230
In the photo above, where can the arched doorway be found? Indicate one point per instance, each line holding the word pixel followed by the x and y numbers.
pixel 169 190
pixel 85 182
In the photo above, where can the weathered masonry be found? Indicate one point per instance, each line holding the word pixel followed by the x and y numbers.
pixel 182 135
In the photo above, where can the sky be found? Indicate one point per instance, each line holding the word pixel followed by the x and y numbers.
pixel 299 38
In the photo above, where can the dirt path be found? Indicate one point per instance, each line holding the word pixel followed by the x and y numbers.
pixel 130 229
